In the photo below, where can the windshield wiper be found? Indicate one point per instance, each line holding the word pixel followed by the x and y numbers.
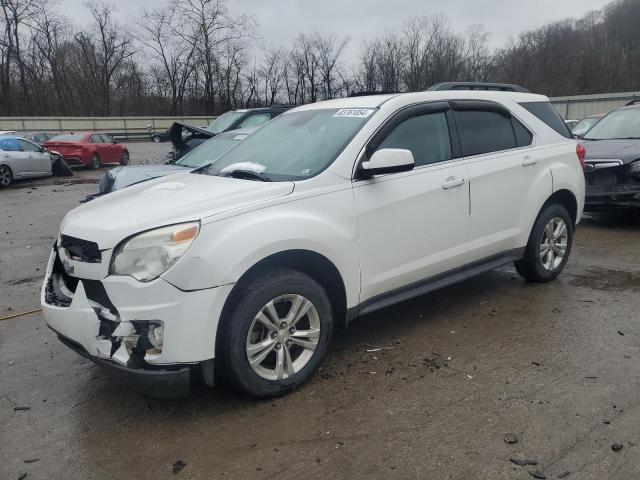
pixel 247 175
pixel 203 168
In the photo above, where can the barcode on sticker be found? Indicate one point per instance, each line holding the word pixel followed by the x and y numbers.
pixel 353 113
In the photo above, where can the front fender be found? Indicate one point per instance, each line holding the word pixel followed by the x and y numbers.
pixel 226 249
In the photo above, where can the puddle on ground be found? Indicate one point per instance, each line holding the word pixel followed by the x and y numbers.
pixel 605 279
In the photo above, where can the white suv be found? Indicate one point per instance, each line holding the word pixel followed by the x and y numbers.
pixel 329 212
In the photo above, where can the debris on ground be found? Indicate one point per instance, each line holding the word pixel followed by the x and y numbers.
pixel 510 438
pixel 31 460
pixel 616 447
pixel 22 476
pixel 373 350
pixel 620 333
pixel 564 474
pixel 179 465
pixel 537 474
pixel 537 364
pixel 523 463
pixel 434 361
pixel 20 408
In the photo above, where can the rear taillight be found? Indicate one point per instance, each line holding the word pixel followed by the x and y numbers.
pixel 581 153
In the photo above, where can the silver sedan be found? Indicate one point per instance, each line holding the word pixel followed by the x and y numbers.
pixel 20 158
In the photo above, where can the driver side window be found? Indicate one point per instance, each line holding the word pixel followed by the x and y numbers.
pixel 426 135
pixel 255 120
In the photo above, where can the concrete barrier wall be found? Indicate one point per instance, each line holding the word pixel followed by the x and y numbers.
pixel 118 125
pixel 580 106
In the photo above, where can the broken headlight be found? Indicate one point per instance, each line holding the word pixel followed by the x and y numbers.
pixel 148 255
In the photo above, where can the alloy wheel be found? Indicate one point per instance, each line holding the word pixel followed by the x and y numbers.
pixel 553 245
pixel 283 337
pixel 125 158
pixel 5 177
pixel 95 162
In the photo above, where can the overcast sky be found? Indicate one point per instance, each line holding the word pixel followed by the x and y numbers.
pixel 280 20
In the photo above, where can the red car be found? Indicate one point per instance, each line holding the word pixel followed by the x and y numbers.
pixel 90 149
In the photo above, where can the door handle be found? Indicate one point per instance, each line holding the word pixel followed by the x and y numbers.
pixel 528 161
pixel 452 182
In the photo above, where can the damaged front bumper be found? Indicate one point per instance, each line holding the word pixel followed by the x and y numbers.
pixel 610 183
pixel 152 336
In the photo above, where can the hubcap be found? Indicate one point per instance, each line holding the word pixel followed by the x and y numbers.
pixel 283 337
pixel 553 245
pixel 5 177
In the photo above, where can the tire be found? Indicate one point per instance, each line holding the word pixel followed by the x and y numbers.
pixel 95 162
pixel 540 263
pixel 155 139
pixel 6 176
pixel 125 158
pixel 268 342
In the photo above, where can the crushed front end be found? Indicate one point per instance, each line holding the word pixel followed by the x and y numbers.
pixel 612 183
pixel 151 336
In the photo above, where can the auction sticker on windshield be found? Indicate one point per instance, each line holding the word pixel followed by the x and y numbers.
pixel 353 113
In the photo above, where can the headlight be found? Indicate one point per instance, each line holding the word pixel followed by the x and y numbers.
pixel 635 167
pixel 148 255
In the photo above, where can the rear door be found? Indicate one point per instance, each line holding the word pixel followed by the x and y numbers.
pixel 12 154
pixel 503 168
pixel 38 160
pixel 413 225
pixel 101 148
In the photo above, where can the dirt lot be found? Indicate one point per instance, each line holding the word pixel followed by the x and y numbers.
pixel 427 389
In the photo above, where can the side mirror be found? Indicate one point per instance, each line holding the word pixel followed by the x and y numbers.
pixel 115 141
pixel 387 160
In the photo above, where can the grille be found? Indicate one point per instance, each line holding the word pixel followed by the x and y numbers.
pixel 82 250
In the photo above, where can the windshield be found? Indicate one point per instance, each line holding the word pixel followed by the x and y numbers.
pixel 623 123
pixel 209 151
pixel 295 145
pixel 224 121
pixel 67 138
pixel 584 125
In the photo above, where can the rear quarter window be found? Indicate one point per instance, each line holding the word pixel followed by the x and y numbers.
pixel 545 112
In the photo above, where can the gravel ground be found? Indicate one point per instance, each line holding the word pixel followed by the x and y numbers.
pixel 425 389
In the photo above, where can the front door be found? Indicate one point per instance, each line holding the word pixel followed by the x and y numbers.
pixel 413 225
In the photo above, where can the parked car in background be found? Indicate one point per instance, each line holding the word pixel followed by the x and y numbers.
pixel 90 149
pixel 21 158
pixel 331 211
pixel 585 124
pixel 160 137
pixel 37 137
pixel 612 168
pixel 571 123
pixel 8 132
pixel 186 137
pixel 208 152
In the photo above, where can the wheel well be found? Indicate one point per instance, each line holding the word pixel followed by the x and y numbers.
pixel 567 200
pixel 317 266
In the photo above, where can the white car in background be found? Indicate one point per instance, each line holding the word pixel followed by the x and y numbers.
pixel 330 211
pixel 20 158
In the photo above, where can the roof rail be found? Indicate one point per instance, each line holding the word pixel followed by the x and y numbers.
pixel 365 93
pixel 500 87
pixel 282 105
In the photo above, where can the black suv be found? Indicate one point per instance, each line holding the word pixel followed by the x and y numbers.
pixel 612 167
pixel 185 137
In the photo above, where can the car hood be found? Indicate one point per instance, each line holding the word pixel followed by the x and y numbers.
pixel 121 177
pixel 164 201
pixel 625 150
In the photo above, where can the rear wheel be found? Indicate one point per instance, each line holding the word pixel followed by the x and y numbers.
pixel 6 176
pixel 277 334
pixel 95 162
pixel 156 139
pixel 125 158
pixel 549 245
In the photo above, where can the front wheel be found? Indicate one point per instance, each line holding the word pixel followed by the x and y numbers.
pixel 277 334
pixel 125 158
pixel 549 245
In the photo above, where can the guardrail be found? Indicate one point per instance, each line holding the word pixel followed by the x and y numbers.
pixel 120 127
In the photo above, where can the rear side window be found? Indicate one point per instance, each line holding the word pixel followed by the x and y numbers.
pixel 427 136
pixel 96 139
pixel 523 136
pixel 484 131
pixel 545 112
pixel 10 145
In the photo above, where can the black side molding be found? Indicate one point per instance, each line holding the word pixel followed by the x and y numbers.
pixel 434 283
